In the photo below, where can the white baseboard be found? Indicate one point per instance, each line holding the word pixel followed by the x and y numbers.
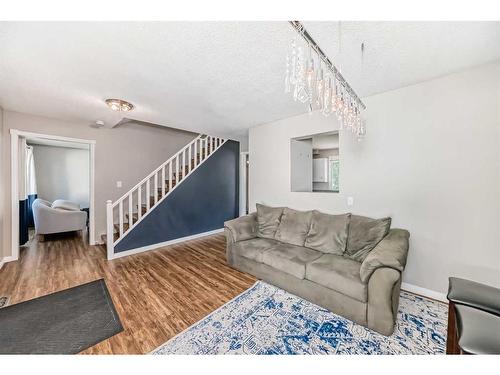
pixel 97 243
pixel 424 292
pixel 162 244
pixel 6 260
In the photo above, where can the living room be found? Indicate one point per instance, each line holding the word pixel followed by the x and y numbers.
pixel 326 185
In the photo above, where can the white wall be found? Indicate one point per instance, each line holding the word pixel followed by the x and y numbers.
pixel 431 161
pixel 62 173
pixel 127 153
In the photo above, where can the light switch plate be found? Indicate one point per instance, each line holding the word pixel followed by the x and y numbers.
pixel 118 184
pixel 350 201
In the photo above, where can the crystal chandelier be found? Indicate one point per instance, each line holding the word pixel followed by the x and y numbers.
pixel 313 79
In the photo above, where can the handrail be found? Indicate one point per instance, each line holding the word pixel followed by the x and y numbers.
pixel 155 171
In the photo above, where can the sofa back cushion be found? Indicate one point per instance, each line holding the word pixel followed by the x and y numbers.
pixel 268 220
pixel 364 234
pixel 328 233
pixel 61 204
pixel 294 226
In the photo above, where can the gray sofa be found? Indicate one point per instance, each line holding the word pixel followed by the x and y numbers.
pixel 349 264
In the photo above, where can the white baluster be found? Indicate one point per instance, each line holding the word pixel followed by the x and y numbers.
pixel 130 207
pixel 170 175
pixel 120 212
pixel 156 187
pixel 183 162
pixel 177 168
pixel 148 194
pixel 163 179
pixel 109 228
pixel 139 202
pixel 196 152
pixel 190 158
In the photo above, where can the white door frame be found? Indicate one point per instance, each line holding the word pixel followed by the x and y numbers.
pixel 243 182
pixel 14 176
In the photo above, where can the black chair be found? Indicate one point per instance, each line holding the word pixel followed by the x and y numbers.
pixel 473 318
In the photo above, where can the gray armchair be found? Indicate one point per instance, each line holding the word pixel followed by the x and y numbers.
pixel 51 220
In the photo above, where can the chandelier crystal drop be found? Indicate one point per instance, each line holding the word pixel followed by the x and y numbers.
pixel 312 79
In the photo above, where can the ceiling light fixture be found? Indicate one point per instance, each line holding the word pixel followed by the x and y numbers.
pixel 313 79
pixel 119 105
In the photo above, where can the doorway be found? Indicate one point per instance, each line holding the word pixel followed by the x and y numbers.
pixel 244 169
pixel 57 149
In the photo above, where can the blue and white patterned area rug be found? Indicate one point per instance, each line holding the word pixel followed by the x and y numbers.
pixel 268 320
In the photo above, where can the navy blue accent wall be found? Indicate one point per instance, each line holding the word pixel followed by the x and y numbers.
pixel 26 218
pixel 201 203
pixel 23 222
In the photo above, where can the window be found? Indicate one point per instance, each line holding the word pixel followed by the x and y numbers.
pixel 334 173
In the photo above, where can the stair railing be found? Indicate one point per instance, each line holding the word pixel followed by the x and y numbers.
pixel 133 206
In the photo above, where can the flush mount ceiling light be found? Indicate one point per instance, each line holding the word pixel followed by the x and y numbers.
pixel 313 79
pixel 119 105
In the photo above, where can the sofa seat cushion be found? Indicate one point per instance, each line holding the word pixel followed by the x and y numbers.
pixel 338 273
pixel 290 259
pixel 294 226
pixel 254 248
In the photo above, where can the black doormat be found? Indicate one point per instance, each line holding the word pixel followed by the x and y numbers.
pixel 64 322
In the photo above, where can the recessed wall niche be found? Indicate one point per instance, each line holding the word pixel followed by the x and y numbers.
pixel 315 163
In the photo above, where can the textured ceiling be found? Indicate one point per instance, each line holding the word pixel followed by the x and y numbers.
pixel 399 54
pixel 215 77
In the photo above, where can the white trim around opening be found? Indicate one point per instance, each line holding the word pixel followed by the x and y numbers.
pixel 14 174
pixel 244 157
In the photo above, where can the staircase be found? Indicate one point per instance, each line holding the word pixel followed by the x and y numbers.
pixel 128 211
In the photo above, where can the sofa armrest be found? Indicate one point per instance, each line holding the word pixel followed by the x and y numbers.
pixel 391 252
pixel 384 287
pixel 242 228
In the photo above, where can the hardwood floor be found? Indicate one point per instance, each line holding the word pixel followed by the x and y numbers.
pixel 157 294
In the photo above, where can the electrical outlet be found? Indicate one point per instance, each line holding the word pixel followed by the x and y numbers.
pixel 350 201
pixel 118 184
